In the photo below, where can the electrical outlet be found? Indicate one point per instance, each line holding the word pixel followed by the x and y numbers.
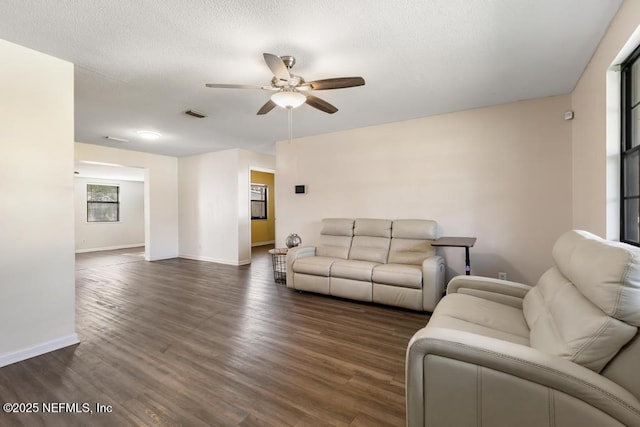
pixel 502 275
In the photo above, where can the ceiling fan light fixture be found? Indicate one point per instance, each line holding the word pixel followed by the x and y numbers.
pixel 290 89
pixel 288 99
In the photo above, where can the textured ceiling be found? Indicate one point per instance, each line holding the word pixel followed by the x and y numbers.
pixel 141 64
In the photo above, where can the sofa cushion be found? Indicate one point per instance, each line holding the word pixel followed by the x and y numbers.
pixel 371 240
pixel 337 227
pixel 480 316
pixel 565 323
pixel 372 227
pixel 406 276
pixel 411 241
pixel 334 246
pixel 607 273
pixel 353 269
pixel 399 297
pixel 315 265
pixel 373 249
pixel 410 251
pixel 335 238
pixel 421 229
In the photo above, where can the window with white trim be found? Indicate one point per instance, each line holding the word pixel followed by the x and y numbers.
pixel 103 203
pixel 258 201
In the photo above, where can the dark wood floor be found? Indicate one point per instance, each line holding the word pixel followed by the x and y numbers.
pixel 188 343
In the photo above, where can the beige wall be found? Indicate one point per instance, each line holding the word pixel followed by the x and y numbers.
pixel 37 286
pixel 264 230
pixel 502 174
pixel 595 142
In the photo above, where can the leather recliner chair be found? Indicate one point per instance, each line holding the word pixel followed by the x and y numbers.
pixel 562 353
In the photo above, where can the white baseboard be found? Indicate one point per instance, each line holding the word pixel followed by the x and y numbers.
pixel 37 350
pixel 217 261
pixel 270 242
pixel 109 248
pixel 162 257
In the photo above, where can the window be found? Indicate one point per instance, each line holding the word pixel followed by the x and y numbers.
pixel 103 203
pixel 630 150
pixel 258 201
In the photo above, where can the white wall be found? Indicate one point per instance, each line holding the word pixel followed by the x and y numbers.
pixel 595 130
pixel 37 289
pixel 208 206
pixel 247 161
pixel 501 174
pixel 126 233
pixel 161 194
pixel 214 205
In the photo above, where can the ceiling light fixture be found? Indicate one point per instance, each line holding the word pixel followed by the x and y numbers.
pixel 147 134
pixel 288 98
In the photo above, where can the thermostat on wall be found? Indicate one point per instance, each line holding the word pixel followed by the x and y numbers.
pixel 301 189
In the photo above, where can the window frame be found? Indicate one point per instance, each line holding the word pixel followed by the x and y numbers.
pixel 264 201
pixel 102 202
pixel 627 149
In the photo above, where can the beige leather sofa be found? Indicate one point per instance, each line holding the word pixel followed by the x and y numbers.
pixel 562 353
pixel 378 260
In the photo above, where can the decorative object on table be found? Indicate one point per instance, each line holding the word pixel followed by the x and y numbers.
pixel 293 240
pixel 279 262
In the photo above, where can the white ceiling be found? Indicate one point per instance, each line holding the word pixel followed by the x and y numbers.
pixel 141 64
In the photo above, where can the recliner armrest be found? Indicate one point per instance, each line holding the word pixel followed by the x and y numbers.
pixel 294 254
pixel 432 282
pixel 502 291
pixel 518 361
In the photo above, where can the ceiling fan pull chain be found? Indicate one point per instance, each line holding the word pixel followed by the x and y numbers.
pixel 290 114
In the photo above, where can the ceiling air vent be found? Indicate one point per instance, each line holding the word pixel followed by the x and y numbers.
pixel 195 113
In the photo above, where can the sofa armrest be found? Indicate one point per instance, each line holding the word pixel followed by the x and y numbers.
pixel 432 282
pixel 518 369
pixel 502 291
pixel 292 255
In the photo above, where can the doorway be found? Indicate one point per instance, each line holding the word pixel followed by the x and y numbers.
pixel 109 208
pixel 263 224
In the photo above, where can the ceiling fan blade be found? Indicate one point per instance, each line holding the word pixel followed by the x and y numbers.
pixel 320 104
pixel 268 106
pixel 336 83
pixel 277 67
pixel 232 86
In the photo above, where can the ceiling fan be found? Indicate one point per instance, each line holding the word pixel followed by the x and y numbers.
pixel 291 90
